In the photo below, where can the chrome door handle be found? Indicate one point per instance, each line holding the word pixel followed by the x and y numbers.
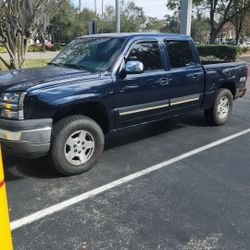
pixel 195 77
pixel 164 81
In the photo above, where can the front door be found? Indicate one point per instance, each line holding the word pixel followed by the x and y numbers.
pixel 143 97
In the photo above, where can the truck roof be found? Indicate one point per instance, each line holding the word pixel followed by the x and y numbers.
pixel 139 34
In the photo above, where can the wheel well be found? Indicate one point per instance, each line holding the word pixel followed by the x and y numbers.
pixel 229 85
pixel 96 111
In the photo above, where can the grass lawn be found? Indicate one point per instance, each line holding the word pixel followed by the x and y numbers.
pixel 30 63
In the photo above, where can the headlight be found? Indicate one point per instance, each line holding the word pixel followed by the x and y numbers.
pixel 11 105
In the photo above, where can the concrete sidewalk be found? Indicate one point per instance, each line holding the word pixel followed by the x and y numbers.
pixel 34 55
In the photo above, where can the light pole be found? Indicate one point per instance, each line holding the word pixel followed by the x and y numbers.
pixel 80 6
pixel 95 7
pixel 102 14
pixel 186 17
pixel 118 17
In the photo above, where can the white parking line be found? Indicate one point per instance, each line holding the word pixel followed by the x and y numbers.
pixel 84 196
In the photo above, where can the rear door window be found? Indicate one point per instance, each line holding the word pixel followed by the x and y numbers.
pixel 180 54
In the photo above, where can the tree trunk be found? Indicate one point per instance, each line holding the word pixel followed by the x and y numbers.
pixel 237 31
pixel 212 23
pixel 239 26
pixel 43 43
pixel 213 36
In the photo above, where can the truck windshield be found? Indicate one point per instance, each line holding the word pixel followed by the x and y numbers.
pixel 92 54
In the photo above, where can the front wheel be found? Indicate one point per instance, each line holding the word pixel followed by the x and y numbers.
pixel 77 144
pixel 221 111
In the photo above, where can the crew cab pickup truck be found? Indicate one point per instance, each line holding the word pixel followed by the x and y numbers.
pixel 108 82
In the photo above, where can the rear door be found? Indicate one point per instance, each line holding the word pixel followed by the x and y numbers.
pixel 143 97
pixel 185 75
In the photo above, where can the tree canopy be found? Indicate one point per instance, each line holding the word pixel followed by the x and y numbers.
pixel 218 13
pixel 61 21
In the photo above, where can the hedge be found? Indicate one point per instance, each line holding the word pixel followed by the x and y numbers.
pixel 223 52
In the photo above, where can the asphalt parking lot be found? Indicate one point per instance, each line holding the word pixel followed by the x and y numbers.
pixel 200 201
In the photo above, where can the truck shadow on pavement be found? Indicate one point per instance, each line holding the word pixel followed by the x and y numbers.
pixel 17 168
pixel 141 132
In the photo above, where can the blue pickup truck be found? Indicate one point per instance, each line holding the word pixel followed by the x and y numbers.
pixel 108 82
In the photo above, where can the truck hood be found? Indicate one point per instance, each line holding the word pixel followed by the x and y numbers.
pixel 20 80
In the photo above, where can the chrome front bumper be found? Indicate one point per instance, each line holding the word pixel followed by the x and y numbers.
pixel 28 138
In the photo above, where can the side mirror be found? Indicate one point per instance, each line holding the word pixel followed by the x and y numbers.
pixel 134 67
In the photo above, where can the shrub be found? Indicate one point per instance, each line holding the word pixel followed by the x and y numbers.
pixel 244 49
pixel 34 48
pixel 223 52
pixel 56 47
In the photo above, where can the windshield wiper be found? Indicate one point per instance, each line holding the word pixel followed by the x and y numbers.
pixel 55 64
pixel 71 65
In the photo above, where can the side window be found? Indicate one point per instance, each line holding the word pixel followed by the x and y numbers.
pixel 179 53
pixel 148 53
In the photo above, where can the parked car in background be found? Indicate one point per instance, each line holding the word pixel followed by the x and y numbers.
pixel 229 42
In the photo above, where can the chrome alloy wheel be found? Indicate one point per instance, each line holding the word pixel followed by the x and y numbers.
pixel 223 107
pixel 79 147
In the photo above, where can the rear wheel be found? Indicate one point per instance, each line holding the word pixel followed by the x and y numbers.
pixel 77 144
pixel 221 111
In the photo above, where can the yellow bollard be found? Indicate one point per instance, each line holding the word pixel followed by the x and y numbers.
pixel 5 234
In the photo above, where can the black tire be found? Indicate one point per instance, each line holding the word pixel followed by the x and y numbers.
pixel 211 115
pixel 62 130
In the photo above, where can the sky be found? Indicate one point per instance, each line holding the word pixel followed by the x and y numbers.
pixel 154 8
